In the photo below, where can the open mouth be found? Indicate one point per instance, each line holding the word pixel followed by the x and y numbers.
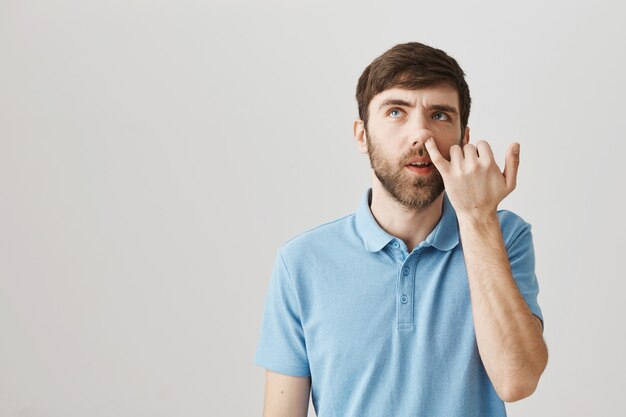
pixel 421 168
pixel 421 164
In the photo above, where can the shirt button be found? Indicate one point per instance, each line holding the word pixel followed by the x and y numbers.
pixel 405 270
pixel 396 244
pixel 404 299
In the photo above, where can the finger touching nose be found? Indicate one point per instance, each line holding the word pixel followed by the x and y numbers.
pixel 420 136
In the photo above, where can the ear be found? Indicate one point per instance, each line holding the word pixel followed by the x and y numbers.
pixel 360 135
pixel 466 136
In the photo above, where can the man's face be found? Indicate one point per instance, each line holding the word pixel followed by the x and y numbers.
pixel 400 121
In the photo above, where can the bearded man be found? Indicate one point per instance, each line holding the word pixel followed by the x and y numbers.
pixel 424 301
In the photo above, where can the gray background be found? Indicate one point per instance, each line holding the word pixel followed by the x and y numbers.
pixel 155 154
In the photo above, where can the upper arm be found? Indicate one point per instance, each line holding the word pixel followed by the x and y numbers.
pixel 521 253
pixel 282 348
pixel 286 396
pixel 282 343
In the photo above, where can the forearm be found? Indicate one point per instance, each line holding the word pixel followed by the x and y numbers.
pixel 510 342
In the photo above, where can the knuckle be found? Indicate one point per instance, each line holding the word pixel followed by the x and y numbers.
pixel 470 167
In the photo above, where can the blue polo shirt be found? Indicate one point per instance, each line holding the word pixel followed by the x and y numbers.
pixel 380 330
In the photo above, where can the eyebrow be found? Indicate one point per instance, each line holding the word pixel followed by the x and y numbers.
pixel 399 102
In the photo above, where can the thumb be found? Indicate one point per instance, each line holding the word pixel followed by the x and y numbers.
pixel 511 164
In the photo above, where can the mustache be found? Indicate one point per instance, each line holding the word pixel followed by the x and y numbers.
pixel 421 153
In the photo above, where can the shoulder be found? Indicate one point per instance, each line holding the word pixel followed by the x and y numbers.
pixel 324 237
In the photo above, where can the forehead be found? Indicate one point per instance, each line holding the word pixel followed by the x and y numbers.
pixel 437 94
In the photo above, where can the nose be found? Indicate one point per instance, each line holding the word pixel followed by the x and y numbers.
pixel 419 132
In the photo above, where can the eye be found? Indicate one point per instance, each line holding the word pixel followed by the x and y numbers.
pixel 440 116
pixel 396 111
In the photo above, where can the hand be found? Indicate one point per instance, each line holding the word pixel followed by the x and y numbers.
pixel 473 181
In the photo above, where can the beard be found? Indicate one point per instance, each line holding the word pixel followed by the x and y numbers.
pixel 410 191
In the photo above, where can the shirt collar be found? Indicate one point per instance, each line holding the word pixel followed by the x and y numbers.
pixel 445 235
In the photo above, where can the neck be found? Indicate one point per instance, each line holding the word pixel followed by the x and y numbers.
pixel 412 226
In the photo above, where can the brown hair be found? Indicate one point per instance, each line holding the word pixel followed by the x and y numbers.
pixel 412 65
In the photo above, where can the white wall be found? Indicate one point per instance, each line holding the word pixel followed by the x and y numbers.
pixel 155 154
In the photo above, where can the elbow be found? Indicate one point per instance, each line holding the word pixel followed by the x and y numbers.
pixel 520 386
pixel 523 382
pixel 517 391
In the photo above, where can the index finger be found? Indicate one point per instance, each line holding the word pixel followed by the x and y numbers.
pixel 435 156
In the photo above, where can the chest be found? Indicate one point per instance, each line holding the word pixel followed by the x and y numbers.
pixel 422 301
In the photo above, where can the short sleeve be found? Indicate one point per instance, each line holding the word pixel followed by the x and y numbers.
pixel 522 259
pixel 281 346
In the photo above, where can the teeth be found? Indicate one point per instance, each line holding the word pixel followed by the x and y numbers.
pixel 419 164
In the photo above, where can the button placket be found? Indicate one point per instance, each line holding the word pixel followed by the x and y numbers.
pixel 405 297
